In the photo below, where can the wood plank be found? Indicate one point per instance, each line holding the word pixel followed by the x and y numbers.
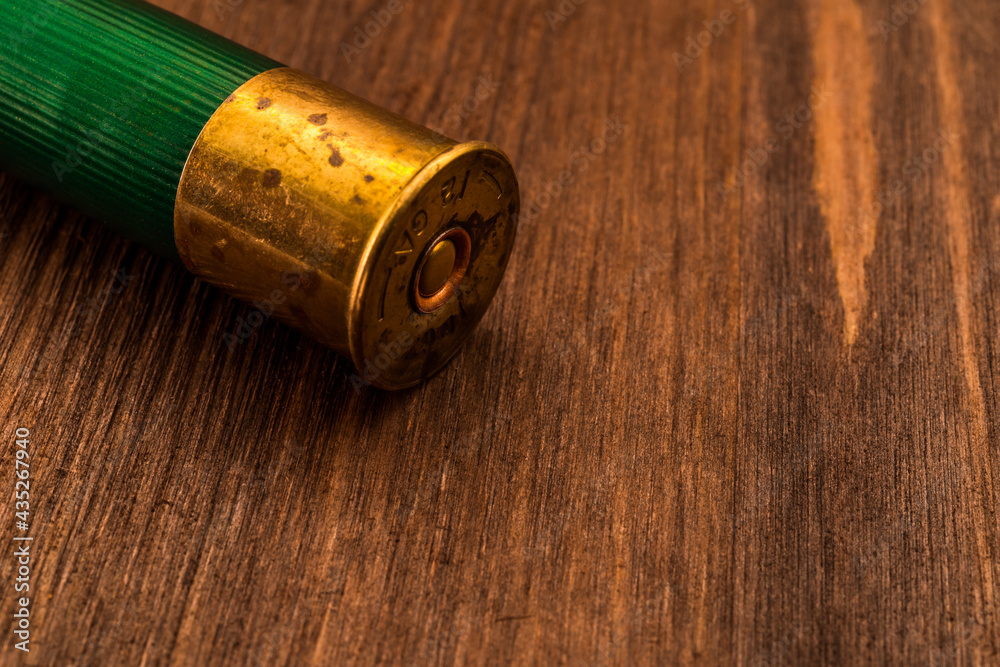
pixel 733 404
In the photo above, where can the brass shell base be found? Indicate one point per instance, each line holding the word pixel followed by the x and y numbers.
pixel 318 206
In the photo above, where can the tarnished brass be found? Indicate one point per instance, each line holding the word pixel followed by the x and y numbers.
pixel 326 210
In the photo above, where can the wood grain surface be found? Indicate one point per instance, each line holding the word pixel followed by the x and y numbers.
pixel 737 401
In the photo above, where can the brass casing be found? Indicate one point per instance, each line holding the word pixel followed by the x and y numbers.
pixel 319 206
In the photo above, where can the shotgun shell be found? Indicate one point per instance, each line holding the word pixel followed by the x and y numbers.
pixel 377 237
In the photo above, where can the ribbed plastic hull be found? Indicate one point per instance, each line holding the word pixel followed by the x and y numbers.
pixel 101 101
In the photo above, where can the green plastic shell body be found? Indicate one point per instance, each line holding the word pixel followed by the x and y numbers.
pixel 102 100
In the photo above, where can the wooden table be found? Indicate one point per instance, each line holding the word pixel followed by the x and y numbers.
pixel 737 401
